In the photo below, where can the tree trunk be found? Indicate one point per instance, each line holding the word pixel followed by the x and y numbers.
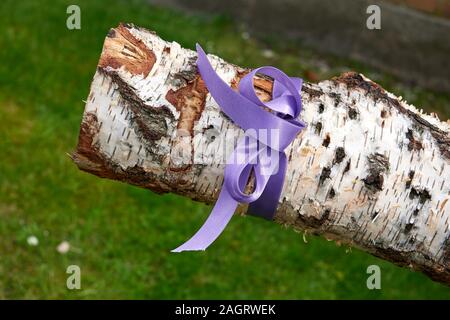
pixel 369 170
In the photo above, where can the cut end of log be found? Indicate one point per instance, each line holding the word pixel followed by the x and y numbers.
pixel 122 49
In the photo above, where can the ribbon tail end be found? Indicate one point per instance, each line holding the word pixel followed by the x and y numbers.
pixel 182 249
pixel 199 49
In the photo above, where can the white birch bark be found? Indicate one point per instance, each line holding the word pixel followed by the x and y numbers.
pixel 369 170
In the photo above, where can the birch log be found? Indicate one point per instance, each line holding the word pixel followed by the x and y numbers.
pixel 369 170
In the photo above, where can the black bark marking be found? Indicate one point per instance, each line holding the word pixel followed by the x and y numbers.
pixel 210 133
pixel 313 93
pixel 318 128
pixel 331 193
pixel 347 166
pixel 408 227
pixel 324 175
pixel 378 165
pixel 423 195
pixel 321 108
pixel 336 97
pixel 411 177
pixel 375 214
pixel 339 155
pixel 326 141
pixel 413 144
pixel 352 113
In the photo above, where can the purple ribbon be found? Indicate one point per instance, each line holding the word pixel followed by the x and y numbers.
pixel 269 132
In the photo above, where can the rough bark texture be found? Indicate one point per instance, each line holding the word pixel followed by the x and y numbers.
pixel 369 170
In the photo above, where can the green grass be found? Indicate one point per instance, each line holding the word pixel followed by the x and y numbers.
pixel 120 235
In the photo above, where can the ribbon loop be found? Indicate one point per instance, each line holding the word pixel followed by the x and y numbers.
pixel 286 99
pixel 237 176
pixel 268 132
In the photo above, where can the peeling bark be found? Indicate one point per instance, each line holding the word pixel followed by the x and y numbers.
pixel 369 170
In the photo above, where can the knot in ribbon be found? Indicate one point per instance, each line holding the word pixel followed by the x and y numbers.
pixel 268 132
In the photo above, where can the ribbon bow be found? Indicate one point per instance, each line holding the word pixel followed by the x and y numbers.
pixel 270 132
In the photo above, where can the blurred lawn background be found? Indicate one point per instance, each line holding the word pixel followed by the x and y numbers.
pixel 120 235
